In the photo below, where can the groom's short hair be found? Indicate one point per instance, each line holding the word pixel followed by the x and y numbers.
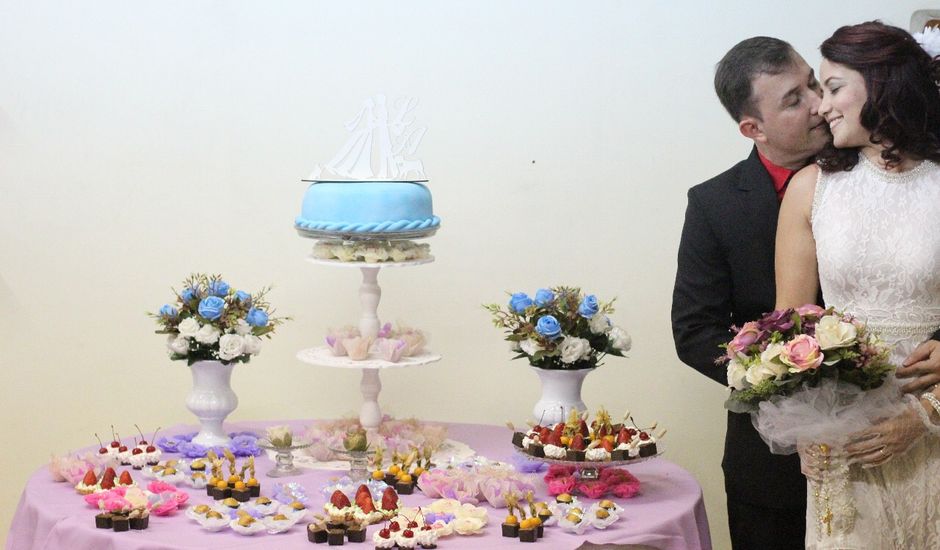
pixel 744 62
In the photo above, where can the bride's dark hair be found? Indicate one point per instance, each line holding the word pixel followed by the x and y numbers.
pixel 902 111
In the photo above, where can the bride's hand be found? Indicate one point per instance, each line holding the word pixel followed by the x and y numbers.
pixel 923 366
pixel 876 445
pixel 816 459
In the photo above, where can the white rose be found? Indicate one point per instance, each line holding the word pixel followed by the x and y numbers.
pixel 833 332
pixel 445 506
pixel 343 253
pixel 574 349
pixel 736 375
pixel 765 371
pixel 188 327
pixel 231 346
pixel 242 328
pixel 373 254
pixel 397 254
pixel 599 324
pixel 530 347
pixel 322 251
pixel 619 339
pixel 771 352
pixel 208 334
pixel 252 344
pixel 177 344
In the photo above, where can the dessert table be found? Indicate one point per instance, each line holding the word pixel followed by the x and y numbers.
pixel 668 514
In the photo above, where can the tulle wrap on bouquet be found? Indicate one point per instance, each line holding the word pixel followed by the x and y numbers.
pixel 826 413
pixel 817 421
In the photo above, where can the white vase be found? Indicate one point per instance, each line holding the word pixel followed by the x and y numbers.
pixel 211 400
pixel 561 392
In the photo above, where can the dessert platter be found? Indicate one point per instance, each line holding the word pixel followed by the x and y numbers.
pixel 589 447
pixel 364 205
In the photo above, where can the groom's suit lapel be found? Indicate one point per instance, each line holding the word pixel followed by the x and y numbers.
pixel 758 200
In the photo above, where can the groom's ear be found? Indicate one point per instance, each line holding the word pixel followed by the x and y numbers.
pixel 751 128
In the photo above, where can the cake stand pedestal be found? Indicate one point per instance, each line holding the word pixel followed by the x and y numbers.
pixel 370 414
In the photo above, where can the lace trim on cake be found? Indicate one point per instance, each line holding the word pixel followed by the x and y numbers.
pixel 893 177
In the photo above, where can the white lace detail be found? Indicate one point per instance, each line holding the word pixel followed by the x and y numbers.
pixel 878 251
pixel 816 194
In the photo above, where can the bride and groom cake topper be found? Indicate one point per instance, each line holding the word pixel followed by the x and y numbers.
pixel 381 145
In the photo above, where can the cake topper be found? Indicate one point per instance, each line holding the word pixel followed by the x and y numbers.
pixel 382 135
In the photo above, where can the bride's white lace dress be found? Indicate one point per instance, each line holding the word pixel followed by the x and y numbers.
pixel 878 249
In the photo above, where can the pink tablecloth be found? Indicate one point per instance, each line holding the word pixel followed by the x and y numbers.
pixel 669 514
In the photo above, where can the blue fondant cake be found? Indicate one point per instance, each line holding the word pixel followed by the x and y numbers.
pixel 367 207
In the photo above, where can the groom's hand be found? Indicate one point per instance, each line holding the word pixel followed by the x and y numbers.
pixel 878 444
pixel 922 366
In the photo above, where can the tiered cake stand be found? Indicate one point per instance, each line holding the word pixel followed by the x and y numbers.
pixel 370 414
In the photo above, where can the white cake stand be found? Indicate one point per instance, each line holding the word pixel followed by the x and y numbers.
pixel 370 414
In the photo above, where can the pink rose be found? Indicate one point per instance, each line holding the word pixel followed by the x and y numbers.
pixel 745 338
pixel 802 353
pixel 810 309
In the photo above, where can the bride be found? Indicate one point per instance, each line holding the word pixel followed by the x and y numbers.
pixel 863 223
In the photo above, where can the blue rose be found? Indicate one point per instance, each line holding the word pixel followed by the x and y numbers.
pixel 242 296
pixel 218 288
pixel 519 301
pixel 211 307
pixel 548 327
pixel 188 294
pixel 168 311
pixel 543 296
pixel 256 317
pixel 588 306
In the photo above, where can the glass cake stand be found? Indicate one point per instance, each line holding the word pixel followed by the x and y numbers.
pixel 591 470
pixel 358 463
pixel 284 457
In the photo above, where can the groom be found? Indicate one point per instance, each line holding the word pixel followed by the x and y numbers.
pixel 726 272
pixel 726 268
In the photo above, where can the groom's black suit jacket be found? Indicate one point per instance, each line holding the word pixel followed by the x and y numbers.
pixel 726 276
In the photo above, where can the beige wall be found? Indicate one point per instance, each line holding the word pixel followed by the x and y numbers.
pixel 139 142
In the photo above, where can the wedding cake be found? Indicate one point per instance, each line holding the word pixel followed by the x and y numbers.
pixel 370 190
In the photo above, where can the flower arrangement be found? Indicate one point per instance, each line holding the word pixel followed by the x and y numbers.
pixel 929 40
pixel 212 321
pixel 560 328
pixel 785 349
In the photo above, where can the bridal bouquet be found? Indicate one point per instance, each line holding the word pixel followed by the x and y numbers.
pixel 787 349
pixel 212 321
pixel 560 328
pixel 810 377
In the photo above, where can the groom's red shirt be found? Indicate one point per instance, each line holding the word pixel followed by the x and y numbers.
pixel 780 175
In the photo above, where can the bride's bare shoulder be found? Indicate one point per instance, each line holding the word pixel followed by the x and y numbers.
pixel 802 187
